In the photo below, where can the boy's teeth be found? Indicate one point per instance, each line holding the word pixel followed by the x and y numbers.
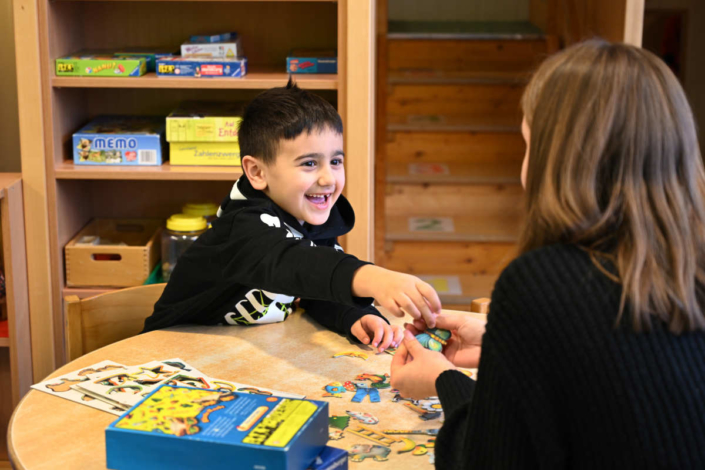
pixel 317 198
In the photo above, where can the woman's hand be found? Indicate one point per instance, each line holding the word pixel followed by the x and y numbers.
pixel 415 369
pixel 465 344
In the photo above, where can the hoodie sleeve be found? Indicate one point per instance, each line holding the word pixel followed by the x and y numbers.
pixel 262 252
pixel 337 317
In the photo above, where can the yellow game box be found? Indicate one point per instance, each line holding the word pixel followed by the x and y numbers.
pixel 204 122
pixel 205 153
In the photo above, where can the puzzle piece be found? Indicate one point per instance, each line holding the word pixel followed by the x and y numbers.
pixel 334 390
pixel 364 390
pixel 360 452
pixel 374 436
pixel 378 381
pixel 434 339
pixel 339 422
pixel 426 432
pixel 356 354
pixel 364 418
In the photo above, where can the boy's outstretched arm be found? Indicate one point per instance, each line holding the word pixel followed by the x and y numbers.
pixel 264 253
pixel 398 293
pixel 365 325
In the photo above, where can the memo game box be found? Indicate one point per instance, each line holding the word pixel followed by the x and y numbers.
pixel 184 427
pixel 120 140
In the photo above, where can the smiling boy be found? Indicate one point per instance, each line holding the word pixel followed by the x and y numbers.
pixel 275 238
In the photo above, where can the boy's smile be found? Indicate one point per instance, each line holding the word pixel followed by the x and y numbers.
pixel 307 176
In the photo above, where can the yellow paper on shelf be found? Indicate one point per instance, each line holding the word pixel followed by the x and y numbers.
pixel 205 153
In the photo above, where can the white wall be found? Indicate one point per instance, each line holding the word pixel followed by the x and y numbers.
pixel 694 63
pixel 9 119
pixel 459 10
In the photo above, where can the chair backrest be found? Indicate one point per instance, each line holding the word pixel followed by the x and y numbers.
pixel 106 318
pixel 481 305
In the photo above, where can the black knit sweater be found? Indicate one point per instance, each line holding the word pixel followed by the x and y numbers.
pixel 560 386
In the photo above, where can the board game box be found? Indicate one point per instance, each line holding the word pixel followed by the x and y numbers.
pixel 231 48
pixel 205 153
pixel 184 427
pixel 331 458
pixel 120 140
pixel 224 37
pixel 312 61
pixel 92 64
pixel 202 67
pixel 204 122
pixel 150 54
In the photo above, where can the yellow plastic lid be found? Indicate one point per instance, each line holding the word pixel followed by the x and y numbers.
pixel 200 208
pixel 186 223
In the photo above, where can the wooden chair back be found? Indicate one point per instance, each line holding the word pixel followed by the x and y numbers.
pixel 106 318
pixel 481 305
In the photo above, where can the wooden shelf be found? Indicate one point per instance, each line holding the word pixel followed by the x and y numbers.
pixel 459 173
pixel 473 228
pixel 165 172
pixel 4 342
pixel 440 123
pixel 453 77
pixel 84 292
pixel 258 78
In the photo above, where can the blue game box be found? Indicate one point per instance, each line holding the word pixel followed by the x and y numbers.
pixel 312 61
pixel 120 140
pixel 184 427
pixel 331 458
pixel 202 67
pixel 205 39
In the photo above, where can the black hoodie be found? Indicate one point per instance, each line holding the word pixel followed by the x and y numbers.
pixel 229 276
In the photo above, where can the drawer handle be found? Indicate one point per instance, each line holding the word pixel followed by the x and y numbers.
pixel 106 257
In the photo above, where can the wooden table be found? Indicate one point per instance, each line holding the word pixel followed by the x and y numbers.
pixel 48 432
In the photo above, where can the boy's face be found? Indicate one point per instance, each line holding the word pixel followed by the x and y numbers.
pixel 307 176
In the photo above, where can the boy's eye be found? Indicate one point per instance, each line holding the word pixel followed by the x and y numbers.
pixel 310 163
pixel 336 161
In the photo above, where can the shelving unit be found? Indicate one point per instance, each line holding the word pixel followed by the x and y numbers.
pixel 15 351
pixel 67 196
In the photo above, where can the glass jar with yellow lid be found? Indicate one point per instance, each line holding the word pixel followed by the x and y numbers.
pixel 181 231
pixel 208 210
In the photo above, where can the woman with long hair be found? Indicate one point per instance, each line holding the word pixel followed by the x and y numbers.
pixel 593 355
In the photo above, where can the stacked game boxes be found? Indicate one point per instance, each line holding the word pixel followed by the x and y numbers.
pixel 213 56
pixel 130 62
pixel 204 134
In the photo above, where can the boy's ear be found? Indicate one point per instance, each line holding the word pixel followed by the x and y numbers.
pixel 255 171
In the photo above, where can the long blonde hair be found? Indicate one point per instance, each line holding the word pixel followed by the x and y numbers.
pixel 615 168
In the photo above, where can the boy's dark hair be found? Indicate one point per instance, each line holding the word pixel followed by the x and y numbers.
pixel 283 113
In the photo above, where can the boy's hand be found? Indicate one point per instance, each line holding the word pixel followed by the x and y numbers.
pixel 398 293
pixel 382 334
